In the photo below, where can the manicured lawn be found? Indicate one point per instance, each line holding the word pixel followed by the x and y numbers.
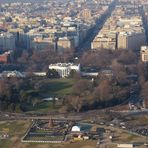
pixel 42 107
pixel 57 87
pixel 49 88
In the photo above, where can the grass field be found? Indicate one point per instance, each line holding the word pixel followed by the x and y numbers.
pixel 57 87
pixel 15 129
pixel 50 88
pixel 42 107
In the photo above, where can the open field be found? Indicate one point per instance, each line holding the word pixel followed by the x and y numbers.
pixel 15 129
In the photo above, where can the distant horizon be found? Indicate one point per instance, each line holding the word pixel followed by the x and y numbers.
pixel 11 1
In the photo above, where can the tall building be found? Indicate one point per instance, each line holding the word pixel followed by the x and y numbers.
pixel 43 43
pixel 107 41
pixel 7 41
pixel 30 37
pixel 123 30
pixel 65 43
pixel 122 41
pixel 131 41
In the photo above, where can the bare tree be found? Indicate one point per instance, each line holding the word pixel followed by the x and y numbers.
pixel 82 86
pixel 144 92
pixel 104 91
pixel 76 102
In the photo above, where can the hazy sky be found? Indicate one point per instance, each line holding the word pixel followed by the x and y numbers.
pixel 2 1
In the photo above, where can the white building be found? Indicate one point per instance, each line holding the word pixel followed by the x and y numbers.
pixel 12 74
pixel 125 145
pixel 144 53
pixel 64 69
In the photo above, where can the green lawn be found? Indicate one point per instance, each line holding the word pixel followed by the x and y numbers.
pixel 49 88
pixel 42 107
pixel 57 87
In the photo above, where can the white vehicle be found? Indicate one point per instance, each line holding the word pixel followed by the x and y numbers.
pixel 101 123
pixel 111 124
pixel 123 127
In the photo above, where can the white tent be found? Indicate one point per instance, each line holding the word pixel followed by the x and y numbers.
pixel 75 129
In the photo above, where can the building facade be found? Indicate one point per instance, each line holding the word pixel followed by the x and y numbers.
pixel 65 43
pixel 7 41
pixel 5 57
pixel 64 69
pixel 131 41
pixel 144 53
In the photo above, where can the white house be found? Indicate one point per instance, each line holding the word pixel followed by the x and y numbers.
pixel 64 69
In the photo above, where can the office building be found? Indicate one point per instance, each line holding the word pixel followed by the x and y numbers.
pixel 7 41
pixel 130 40
pixel 65 44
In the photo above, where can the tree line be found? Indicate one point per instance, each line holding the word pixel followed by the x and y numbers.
pixel 102 91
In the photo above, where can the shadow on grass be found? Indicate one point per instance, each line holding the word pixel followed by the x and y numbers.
pixel 57 88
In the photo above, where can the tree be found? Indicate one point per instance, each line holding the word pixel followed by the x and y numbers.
pixel 51 73
pixel 144 92
pixel 24 57
pixel 104 91
pixel 119 72
pixel 127 57
pixel 141 68
pixel 141 74
pixel 76 102
pixel 5 90
pixel 34 101
pixel 82 86
pixel 121 93
pixel 74 74
pixel 99 59
pixel 116 66
pixel 16 54
pixel 23 96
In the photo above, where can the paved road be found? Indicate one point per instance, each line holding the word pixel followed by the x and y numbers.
pixel 94 31
pixel 71 116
